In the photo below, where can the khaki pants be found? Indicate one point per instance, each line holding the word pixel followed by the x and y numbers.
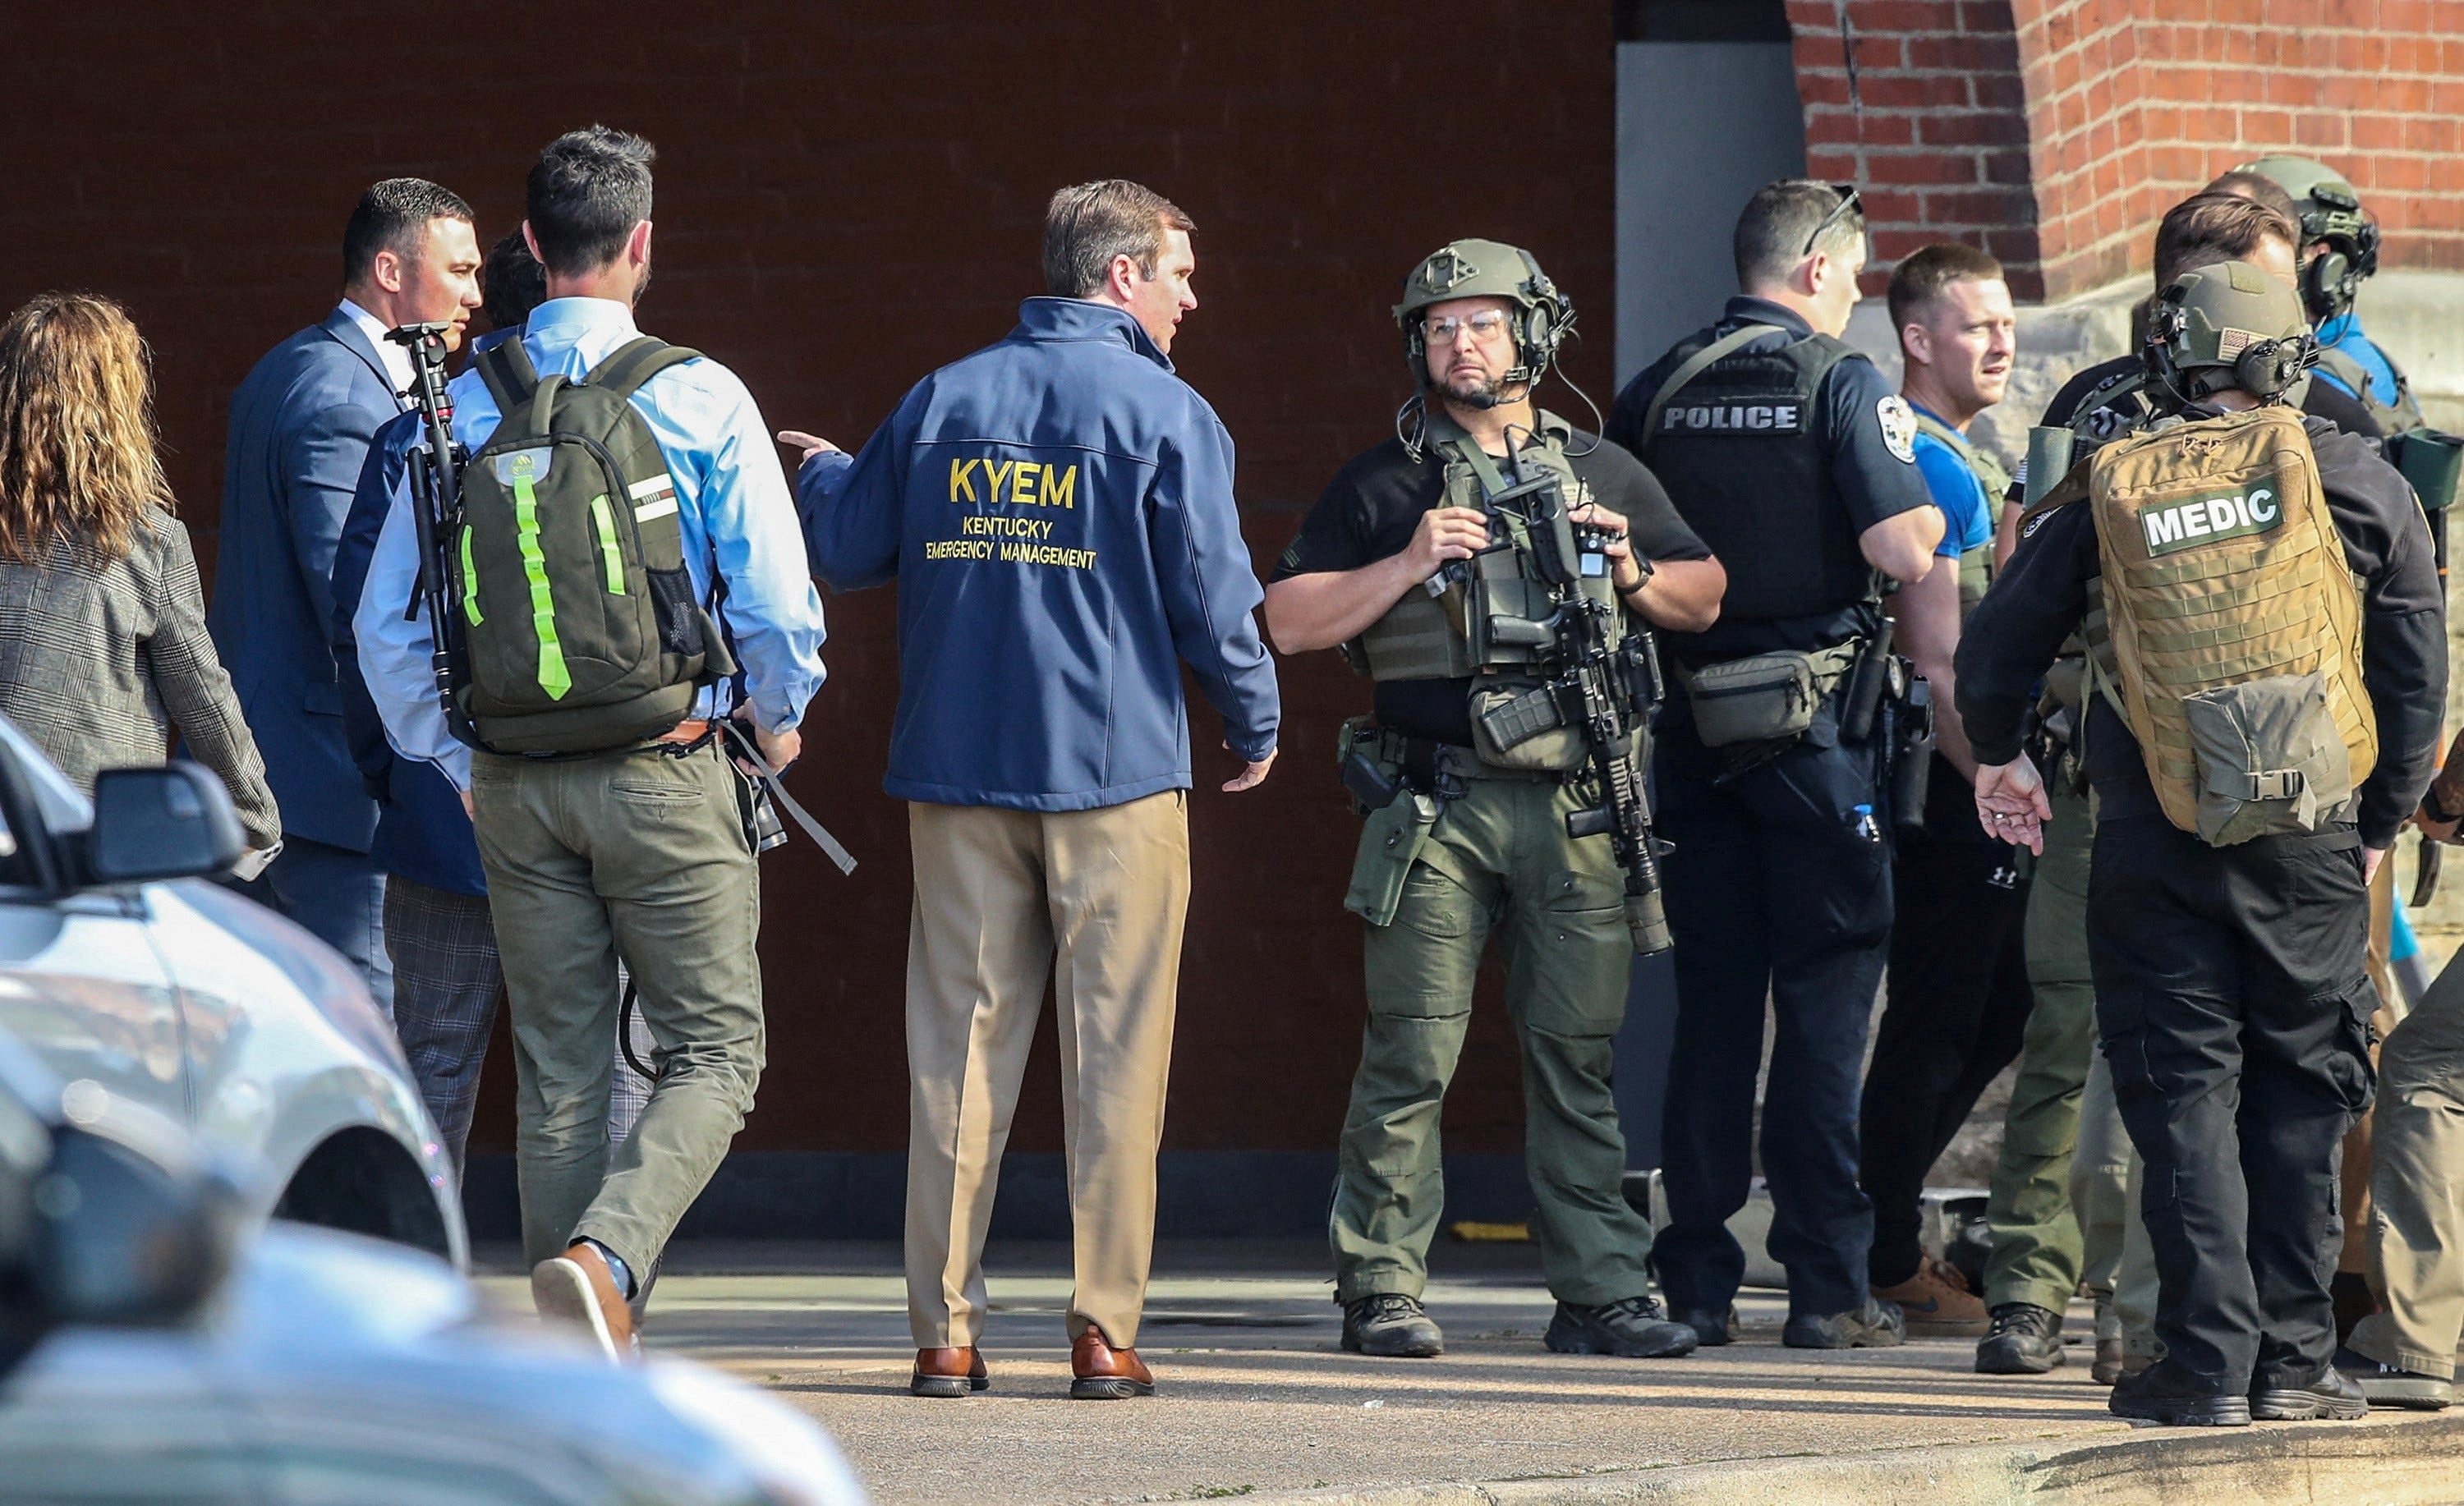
pixel 644 853
pixel 1093 901
pixel 2353 1201
pixel 2417 1186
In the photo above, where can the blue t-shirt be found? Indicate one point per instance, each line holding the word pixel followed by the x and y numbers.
pixel 1967 513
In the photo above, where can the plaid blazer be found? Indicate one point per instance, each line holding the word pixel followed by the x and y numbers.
pixel 99 662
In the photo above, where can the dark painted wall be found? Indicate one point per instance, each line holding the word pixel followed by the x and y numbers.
pixel 848 196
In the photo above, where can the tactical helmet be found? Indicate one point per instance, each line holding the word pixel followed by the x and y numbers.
pixel 2330 211
pixel 2229 325
pixel 1477 269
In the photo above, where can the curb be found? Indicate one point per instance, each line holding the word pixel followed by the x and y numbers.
pixel 2388 1461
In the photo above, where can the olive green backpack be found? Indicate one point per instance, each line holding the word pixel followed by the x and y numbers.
pixel 579 616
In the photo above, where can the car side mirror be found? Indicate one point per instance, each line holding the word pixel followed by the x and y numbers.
pixel 124 1242
pixel 109 1216
pixel 174 821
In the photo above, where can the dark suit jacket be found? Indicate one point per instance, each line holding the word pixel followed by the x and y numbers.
pixel 423 834
pixel 299 431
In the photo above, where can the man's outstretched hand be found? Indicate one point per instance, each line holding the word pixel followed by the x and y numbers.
pixel 2011 803
pixel 1252 776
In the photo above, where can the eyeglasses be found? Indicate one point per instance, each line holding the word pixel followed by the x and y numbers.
pixel 1484 326
pixel 1846 207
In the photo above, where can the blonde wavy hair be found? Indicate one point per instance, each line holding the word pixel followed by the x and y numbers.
pixel 77 461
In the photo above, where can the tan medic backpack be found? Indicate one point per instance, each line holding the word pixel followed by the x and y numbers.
pixel 2232 633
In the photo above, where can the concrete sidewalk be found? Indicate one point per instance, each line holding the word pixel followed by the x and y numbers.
pixel 1255 1399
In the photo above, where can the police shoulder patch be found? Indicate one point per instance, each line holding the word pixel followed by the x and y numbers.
pixel 1898 424
pixel 2028 528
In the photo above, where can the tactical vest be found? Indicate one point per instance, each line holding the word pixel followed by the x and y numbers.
pixel 1490 618
pixel 1975 565
pixel 1471 627
pixel 1740 448
pixel 2226 623
pixel 2402 416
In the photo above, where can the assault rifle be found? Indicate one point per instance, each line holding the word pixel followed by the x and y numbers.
pixel 1608 693
pixel 436 511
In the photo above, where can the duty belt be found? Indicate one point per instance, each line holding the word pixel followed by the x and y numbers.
pixel 1443 769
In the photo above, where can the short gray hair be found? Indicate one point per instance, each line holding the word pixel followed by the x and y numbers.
pixel 1089 224
pixel 1771 233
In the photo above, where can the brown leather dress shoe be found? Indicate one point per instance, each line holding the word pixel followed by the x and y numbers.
pixel 948 1372
pixel 577 1288
pixel 1102 1373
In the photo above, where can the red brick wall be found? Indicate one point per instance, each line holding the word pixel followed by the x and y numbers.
pixel 1919 101
pixel 2056 132
pixel 849 196
pixel 2134 102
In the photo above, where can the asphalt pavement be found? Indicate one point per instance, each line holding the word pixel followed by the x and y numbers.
pixel 1256 1399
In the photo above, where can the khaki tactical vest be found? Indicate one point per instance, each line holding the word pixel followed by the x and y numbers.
pixel 1975 565
pixel 2230 634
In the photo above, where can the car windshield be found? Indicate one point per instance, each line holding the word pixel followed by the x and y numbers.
pixel 62 805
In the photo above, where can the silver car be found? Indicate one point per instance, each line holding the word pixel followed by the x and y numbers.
pixel 193 1001
pixel 152 1351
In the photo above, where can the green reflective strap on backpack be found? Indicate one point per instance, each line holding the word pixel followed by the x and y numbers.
pixel 614 646
pixel 553 676
pixel 610 552
pixel 470 583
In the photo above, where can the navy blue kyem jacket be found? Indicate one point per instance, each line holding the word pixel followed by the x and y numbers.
pixel 1057 510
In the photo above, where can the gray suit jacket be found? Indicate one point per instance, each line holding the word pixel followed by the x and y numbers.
pixel 99 661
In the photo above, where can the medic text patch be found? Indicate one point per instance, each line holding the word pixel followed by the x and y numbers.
pixel 2171 526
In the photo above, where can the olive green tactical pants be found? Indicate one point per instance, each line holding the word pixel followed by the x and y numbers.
pixel 2417 1183
pixel 644 853
pixel 2059 1191
pixel 1498 861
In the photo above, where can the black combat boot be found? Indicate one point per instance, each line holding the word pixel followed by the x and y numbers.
pixel 2163 1394
pixel 1712 1326
pixel 2333 1396
pixel 1392 1326
pixel 1876 1325
pixel 1630 1328
pixel 2027 1339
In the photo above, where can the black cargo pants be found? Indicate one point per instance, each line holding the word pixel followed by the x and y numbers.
pixel 1780 891
pixel 1957 1009
pixel 2234 1006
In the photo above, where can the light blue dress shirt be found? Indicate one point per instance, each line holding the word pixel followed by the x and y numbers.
pixel 732 499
